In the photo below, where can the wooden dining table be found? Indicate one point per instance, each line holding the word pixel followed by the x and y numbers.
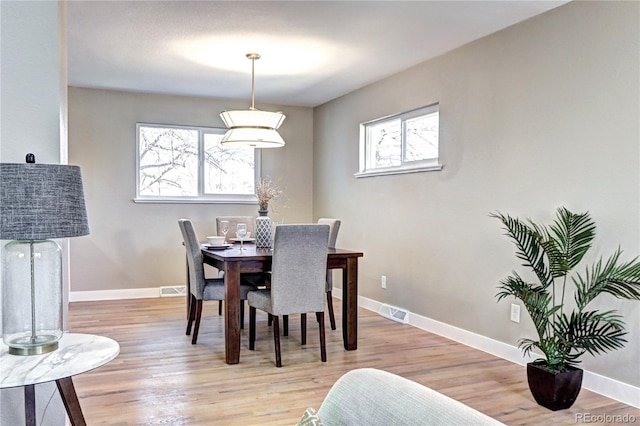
pixel 234 262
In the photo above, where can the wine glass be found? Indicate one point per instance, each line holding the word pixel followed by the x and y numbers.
pixel 224 228
pixel 241 232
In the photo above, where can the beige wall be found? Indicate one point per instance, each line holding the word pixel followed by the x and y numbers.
pixel 542 114
pixel 135 245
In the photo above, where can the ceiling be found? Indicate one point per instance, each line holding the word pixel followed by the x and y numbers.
pixel 312 51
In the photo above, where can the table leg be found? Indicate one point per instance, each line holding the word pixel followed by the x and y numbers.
pixel 30 405
pixel 350 304
pixel 70 400
pixel 232 314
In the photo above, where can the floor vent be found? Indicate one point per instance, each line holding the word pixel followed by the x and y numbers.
pixel 178 290
pixel 396 314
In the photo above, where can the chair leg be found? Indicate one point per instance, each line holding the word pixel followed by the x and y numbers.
pixel 323 344
pixel 285 325
pixel 219 307
pixel 252 327
pixel 192 313
pixel 276 340
pixel 196 327
pixel 303 328
pixel 332 318
pixel 242 315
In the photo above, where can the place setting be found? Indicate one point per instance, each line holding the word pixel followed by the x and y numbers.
pixel 216 243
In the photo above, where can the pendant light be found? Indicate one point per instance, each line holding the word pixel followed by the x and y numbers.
pixel 252 127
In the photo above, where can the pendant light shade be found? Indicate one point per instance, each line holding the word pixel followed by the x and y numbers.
pixel 255 128
pixel 252 127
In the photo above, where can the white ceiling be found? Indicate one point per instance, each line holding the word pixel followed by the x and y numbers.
pixel 312 51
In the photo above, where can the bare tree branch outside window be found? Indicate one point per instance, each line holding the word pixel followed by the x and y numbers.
pixel 169 163
pixel 168 160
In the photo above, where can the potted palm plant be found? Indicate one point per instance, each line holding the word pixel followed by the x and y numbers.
pixel 567 329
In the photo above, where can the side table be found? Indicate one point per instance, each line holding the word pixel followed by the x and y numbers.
pixel 76 354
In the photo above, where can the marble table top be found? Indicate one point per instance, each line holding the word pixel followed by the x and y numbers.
pixel 76 354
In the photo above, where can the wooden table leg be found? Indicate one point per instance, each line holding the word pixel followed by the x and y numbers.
pixel 232 314
pixel 30 405
pixel 70 400
pixel 350 304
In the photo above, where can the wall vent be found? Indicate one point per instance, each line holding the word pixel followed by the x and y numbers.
pixel 393 313
pixel 172 291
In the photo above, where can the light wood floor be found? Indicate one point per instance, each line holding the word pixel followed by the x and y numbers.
pixel 161 378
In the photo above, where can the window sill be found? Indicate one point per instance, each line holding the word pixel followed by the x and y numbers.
pixel 398 171
pixel 251 199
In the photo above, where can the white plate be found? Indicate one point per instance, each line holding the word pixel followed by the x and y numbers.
pixel 246 240
pixel 221 247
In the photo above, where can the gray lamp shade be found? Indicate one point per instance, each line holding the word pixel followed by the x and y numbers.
pixel 41 201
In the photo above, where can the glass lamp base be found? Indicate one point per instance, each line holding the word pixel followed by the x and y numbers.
pixel 37 345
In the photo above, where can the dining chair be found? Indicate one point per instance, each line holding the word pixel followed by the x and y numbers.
pixel 298 282
pixel 201 288
pixel 334 227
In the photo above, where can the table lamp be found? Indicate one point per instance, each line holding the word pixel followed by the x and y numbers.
pixel 37 202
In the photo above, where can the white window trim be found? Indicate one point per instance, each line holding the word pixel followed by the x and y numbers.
pixel 200 199
pixel 399 170
pixel 429 165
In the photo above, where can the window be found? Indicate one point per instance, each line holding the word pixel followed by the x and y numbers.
pixel 401 143
pixel 188 164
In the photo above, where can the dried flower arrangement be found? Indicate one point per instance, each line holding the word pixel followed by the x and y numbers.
pixel 266 190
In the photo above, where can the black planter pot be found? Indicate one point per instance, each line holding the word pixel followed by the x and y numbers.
pixel 554 390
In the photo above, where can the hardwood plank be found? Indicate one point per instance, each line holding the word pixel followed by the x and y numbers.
pixel 160 377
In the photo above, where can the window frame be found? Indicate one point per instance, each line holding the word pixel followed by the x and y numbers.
pixel 432 164
pixel 201 198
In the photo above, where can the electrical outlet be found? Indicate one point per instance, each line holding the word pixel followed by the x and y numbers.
pixel 515 313
pixel 383 281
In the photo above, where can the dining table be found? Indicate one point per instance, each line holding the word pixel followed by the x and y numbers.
pixel 251 259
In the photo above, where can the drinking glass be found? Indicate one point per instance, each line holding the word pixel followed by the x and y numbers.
pixel 241 232
pixel 224 228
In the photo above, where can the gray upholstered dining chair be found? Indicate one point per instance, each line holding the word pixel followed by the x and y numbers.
pixel 298 282
pixel 334 227
pixel 201 288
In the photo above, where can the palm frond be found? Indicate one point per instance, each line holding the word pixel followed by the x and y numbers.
pixel 571 236
pixel 529 246
pixel 591 331
pixel 528 345
pixel 535 299
pixel 619 280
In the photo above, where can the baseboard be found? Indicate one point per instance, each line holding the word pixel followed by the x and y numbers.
pixel 97 295
pixel 594 382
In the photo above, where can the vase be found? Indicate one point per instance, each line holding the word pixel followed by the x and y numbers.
pixel 263 230
pixel 551 389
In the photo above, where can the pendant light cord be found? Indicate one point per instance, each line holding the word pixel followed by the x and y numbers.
pixel 253 57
